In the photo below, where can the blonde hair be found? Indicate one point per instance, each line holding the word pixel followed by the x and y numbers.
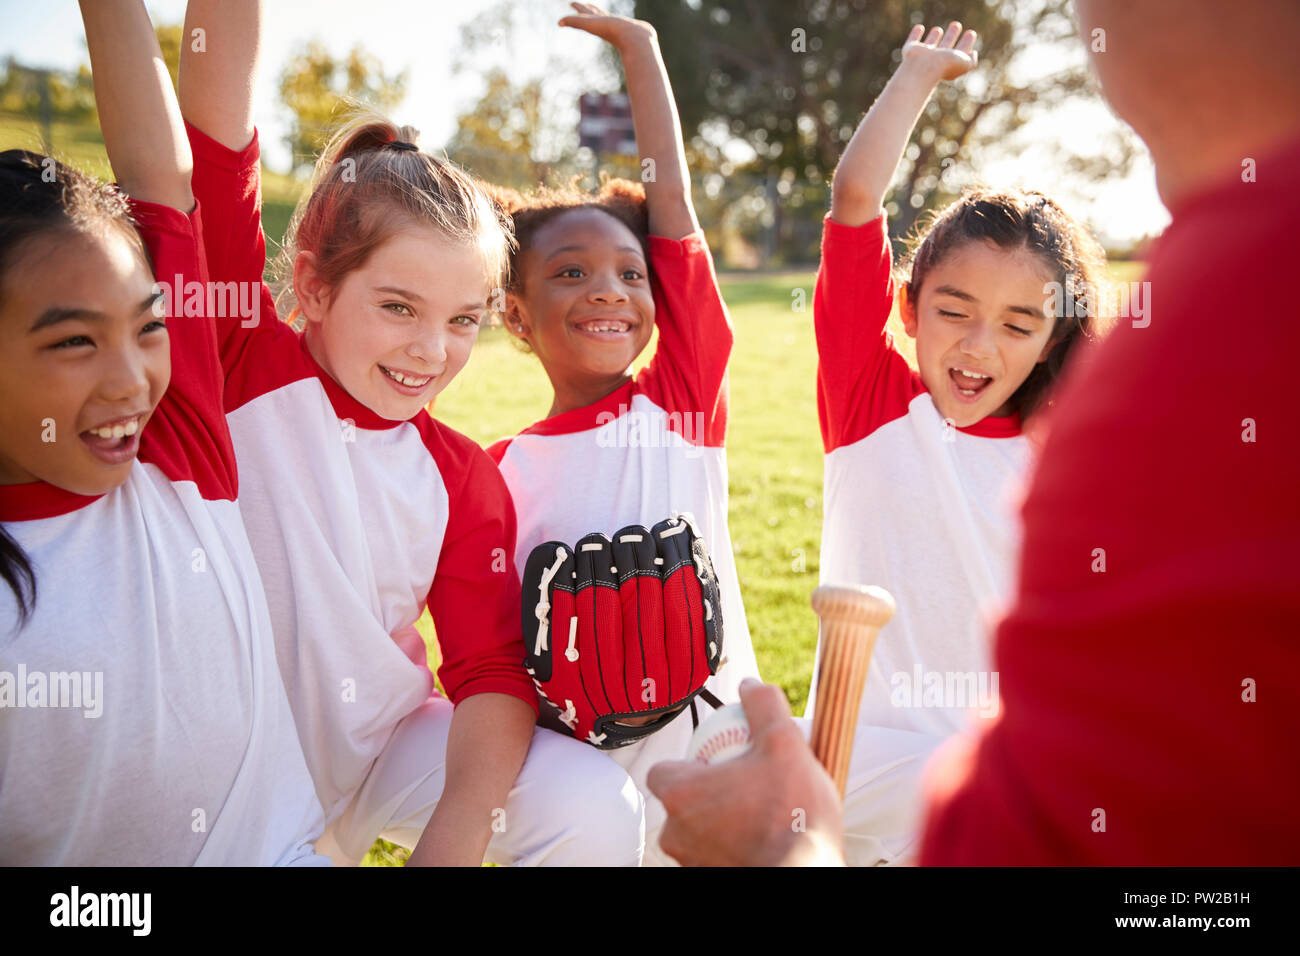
pixel 364 188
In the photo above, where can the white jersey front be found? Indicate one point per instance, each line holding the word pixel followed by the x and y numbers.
pixel 647 451
pixel 143 720
pixel 911 504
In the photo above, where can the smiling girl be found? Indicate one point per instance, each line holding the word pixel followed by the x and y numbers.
pixel 920 464
pixel 363 510
pixel 593 277
pixel 130 577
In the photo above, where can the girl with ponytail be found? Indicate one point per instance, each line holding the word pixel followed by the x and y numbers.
pixel 363 509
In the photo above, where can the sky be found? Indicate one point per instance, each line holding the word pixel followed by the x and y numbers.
pixel 423 36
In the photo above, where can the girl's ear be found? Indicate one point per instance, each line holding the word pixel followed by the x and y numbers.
pixel 1053 341
pixel 516 318
pixel 907 310
pixel 309 288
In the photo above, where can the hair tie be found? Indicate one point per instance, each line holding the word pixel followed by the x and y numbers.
pixel 400 144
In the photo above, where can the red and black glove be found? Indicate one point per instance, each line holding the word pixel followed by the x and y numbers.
pixel 622 634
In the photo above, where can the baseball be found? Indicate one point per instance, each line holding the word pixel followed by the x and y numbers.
pixel 722 736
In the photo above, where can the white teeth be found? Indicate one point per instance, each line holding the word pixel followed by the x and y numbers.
pixel 970 374
pixel 616 327
pixel 406 379
pixel 119 430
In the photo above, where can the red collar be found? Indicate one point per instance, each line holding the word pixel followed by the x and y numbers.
pixel 598 413
pixel 1007 426
pixel 39 499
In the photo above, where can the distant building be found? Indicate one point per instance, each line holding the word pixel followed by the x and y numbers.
pixel 605 124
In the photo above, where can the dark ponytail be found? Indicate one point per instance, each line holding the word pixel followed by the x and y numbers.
pixel 39 195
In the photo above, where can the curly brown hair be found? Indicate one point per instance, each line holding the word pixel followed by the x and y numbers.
pixel 620 198
pixel 1012 219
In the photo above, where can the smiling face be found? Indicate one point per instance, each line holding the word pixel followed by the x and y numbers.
pixel 396 330
pixel 83 359
pixel 583 301
pixel 981 324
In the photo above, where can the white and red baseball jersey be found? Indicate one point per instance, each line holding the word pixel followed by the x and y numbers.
pixel 1160 695
pixel 911 503
pixel 647 451
pixel 358 522
pixel 143 720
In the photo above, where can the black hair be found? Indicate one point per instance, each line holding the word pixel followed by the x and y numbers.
pixel 1013 218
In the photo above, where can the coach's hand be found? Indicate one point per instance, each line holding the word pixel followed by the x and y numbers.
pixel 773 806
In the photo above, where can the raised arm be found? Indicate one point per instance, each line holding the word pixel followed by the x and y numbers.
pixel 216 77
pixel 218 69
pixel 871 158
pixel 141 121
pixel 654 116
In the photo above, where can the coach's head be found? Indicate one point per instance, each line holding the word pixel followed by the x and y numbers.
pixel 1200 81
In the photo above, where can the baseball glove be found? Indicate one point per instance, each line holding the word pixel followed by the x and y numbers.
pixel 621 635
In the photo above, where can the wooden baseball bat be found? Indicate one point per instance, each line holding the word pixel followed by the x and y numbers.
pixel 849 617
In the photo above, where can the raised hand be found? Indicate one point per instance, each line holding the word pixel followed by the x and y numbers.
pixel 947 54
pixel 654 116
pixel 872 156
pixel 618 31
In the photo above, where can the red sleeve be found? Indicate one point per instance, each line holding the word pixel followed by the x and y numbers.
pixel 863 381
pixel 475 596
pixel 688 373
pixel 1151 703
pixel 228 185
pixel 187 435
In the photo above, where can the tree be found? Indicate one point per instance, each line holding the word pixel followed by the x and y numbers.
pixel 69 95
pixel 791 80
pixel 316 88
pixel 498 137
